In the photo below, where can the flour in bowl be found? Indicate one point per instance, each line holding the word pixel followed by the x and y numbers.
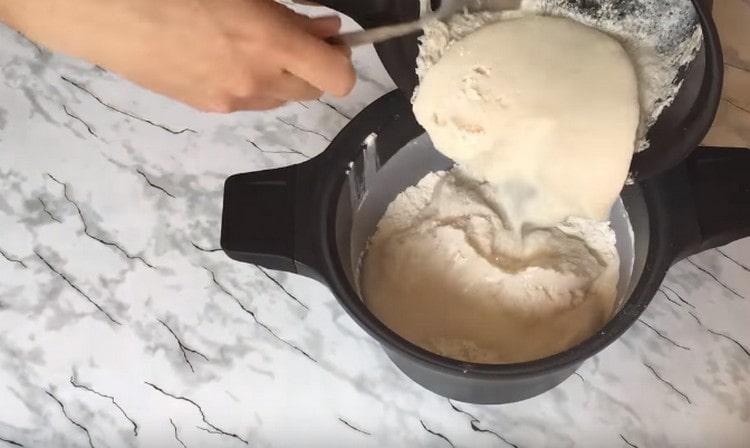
pixel 445 272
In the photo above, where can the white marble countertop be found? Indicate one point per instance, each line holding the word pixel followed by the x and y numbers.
pixel 122 325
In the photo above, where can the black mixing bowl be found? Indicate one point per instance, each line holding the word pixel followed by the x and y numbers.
pixel 314 219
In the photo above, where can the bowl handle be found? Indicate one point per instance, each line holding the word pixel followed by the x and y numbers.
pixel 706 199
pixel 720 180
pixel 261 216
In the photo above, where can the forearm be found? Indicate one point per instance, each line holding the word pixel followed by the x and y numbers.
pixel 13 11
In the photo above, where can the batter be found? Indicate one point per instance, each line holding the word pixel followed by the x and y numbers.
pixel 508 257
pixel 545 108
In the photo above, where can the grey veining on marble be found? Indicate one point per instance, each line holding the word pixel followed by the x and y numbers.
pixel 122 325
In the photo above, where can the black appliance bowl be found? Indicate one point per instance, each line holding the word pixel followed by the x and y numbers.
pixel 314 218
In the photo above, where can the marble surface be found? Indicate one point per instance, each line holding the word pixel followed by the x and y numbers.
pixel 122 325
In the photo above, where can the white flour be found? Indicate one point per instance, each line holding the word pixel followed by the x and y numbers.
pixel 661 36
pixel 445 271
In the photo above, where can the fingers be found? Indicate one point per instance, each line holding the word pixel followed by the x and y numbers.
pixel 322 65
pixel 280 88
pixel 327 26
pixel 323 27
pixel 286 59
pixel 254 103
pixel 345 50
pixel 291 88
pixel 309 57
pixel 306 55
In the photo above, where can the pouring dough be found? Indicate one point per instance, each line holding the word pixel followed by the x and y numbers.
pixel 545 108
pixel 508 257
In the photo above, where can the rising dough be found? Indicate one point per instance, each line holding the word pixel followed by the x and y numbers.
pixel 545 108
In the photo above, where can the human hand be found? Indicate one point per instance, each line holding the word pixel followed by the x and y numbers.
pixel 215 55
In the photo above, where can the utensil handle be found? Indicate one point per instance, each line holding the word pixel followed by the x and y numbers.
pixel 375 35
